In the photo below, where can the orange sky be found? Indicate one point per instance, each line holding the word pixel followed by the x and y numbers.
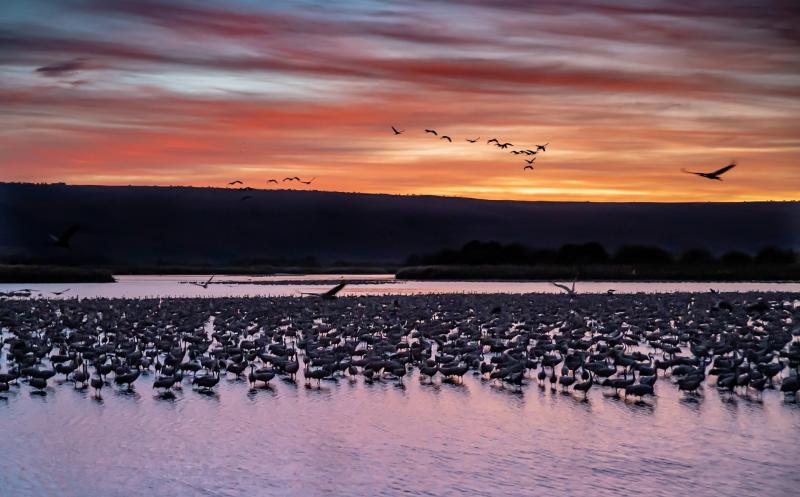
pixel 626 94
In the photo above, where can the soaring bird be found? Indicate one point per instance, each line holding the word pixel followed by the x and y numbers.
pixel 492 140
pixel 330 294
pixel 570 291
pixel 288 179
pixel 309 181
pixel 505 145
pixel 63 240
pixel 542 147
pixel 530 161
pixel 203 284
pixel 396 131
pixel 528 167
pixel 236 182
pixel 432 131
pixel 61 292
pixel 272 181
pixel 445 137
pixel 475 140
pixel 713 175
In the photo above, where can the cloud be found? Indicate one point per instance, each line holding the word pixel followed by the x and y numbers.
pixel 63 68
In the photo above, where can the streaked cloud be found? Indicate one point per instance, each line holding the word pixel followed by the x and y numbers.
pixel 166 92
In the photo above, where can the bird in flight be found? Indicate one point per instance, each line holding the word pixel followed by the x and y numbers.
pixel 330 294
pixel 61 292
pixel 570 291
pixel 530 161
pixel 235 182
pixel 203 284
pixel 432 131
pixel 528 167
pixel 65 237
pixel 295 178
pixel 492 140
pixel 307 182
pixel 505 145
pixel 475 140
pixel 713 175
pixel 272 181
pixel 542 147
pixel 445 137
pixel 396 131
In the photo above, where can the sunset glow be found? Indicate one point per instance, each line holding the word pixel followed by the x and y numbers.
pixel 199 93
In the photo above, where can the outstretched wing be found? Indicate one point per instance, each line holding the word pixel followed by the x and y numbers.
pixel 689 172
pixel 563 287
pixel 724 169
pixel 333 291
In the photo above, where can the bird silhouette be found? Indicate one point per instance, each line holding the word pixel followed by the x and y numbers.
pixel 542 147
pixel 492 140
pixel 203 284
pixel 308 182
pixel 530 161
pixel 713 175
pixel 475 140
pixel 63 240
pixel 445 137
pixel 396 131
pixel 272 181
pixel 505 145
pixel 60 292
pixel 432 131
pixel 570 291
pixel 236 182
pixel 528 167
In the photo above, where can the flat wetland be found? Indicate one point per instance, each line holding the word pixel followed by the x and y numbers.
pixel 395 395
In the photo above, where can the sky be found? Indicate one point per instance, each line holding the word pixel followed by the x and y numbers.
pixel 626 93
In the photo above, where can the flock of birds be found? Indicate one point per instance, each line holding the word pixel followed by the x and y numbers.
pixel 503 145
pixel 738 344
pixel 269 181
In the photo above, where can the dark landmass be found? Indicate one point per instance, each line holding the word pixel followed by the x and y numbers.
pixel 53 274
pixel 251 270
pixel 604 272
pixel 164 227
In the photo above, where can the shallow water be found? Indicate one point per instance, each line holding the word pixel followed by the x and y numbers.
pixel 377 284
pixel 359 439
pixel 353 438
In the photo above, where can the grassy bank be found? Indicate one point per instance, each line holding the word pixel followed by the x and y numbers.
pixel 667 272
pixel 53 274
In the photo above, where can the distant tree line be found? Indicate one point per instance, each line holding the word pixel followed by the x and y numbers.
pixel 494 253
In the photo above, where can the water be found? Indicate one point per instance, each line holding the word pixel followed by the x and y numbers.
pixel 378 284
pixel 354 438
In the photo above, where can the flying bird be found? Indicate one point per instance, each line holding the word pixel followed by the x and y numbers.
pixel 528 167
pixel 445 137
pixel 505 145
pixel 396 131
pixel 542 147
pixel 492 140
pixel 65 237
pixel 432 131
pixel 330 294
pixel 475 140
pixel 203 284
pixel 291 179
pixel 713 175
pixel 61 292
pixel 272 181
pixel 236 182
pixel 530 161
pixel 308 182
pixel 570 291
